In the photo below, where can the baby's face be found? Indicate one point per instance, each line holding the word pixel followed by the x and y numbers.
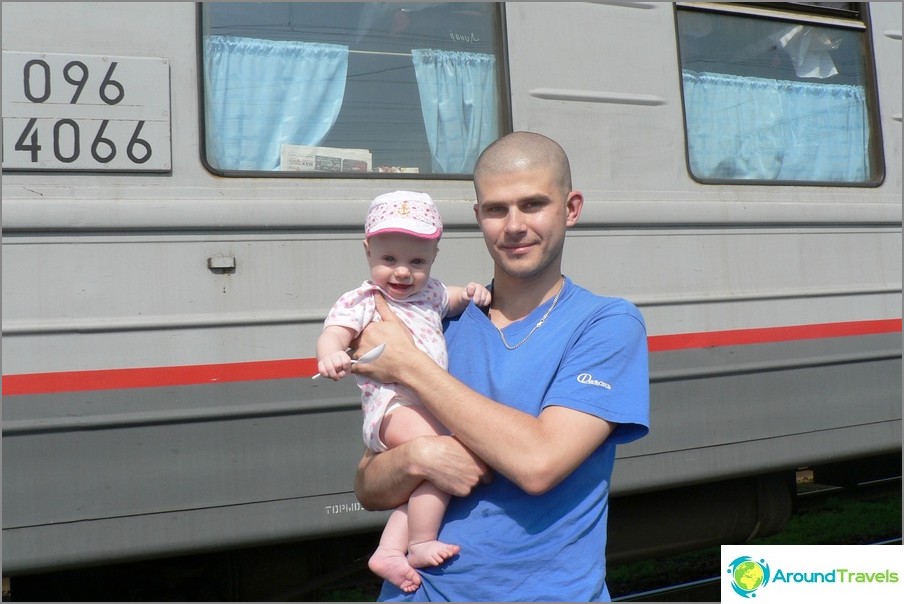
pixel 400 264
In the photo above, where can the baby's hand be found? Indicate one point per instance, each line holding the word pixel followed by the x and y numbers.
pixel 477 293
pixel 335 366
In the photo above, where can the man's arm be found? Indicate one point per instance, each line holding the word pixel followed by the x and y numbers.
pixel 386 480
pixel 534 452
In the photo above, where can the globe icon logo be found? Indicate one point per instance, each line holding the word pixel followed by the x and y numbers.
pixel 748 575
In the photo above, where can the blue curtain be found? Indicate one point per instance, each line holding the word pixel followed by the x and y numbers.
pixel 260 94
pixel 757 128
pixel 458 102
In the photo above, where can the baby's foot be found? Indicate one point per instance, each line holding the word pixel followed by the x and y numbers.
pixel 430 553
pixel 393 566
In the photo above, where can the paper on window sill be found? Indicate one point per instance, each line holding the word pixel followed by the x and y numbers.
pixel 304 158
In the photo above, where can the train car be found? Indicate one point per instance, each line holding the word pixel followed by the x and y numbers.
pixel 184 188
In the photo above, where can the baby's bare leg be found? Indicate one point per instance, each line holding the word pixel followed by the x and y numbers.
pixel 425 513
pixel 427 504
pixel 389 561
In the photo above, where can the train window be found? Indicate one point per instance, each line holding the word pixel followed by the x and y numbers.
pixel 775 95
pixel 308 88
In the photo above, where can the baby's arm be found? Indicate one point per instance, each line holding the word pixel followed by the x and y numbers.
pixel 460 296
pixel 332 359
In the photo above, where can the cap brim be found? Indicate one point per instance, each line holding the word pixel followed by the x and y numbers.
pixel 406 226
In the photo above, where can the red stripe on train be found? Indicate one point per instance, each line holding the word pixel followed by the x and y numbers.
pixel 766 335
pixel 152 377
pixel 186 375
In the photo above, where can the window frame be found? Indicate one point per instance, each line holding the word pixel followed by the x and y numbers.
pixel 787 12
pixel 504 117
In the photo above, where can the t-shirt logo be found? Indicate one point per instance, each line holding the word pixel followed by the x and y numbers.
pixel 586 378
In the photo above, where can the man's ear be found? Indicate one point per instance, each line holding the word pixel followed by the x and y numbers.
pixel 574 204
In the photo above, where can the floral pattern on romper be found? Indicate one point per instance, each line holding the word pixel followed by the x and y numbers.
pixel 422 313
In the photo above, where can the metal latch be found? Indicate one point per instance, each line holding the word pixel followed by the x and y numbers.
pixel 221 263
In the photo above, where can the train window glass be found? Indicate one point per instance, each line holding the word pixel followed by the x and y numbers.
pixel 778 99
pixel 308 88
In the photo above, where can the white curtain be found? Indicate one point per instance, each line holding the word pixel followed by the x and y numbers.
pixel 458 102
pixel 260 94
pixel 757 128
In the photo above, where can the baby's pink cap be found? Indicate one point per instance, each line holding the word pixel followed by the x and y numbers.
pixel 404 212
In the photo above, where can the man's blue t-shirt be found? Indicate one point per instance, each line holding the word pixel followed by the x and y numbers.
pixel 590 355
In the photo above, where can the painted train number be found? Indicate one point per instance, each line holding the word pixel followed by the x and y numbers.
pixel 85 112
pixel 111 92
pixel 103 149
pixel 79 82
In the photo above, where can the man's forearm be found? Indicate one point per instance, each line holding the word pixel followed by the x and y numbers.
pixel 496 433
pixel 534 452
pixel 385 480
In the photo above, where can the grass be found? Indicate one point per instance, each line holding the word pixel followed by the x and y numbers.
pixel 843 523
pixel 837 522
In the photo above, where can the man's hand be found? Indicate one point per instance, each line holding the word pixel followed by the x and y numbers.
pixel 400 348
pixel 450 466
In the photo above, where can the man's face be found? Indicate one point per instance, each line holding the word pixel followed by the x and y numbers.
pixel 523 215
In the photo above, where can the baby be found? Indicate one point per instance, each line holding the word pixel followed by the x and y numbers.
pixel 401 235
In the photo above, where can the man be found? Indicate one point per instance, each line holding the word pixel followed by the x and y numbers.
pixel 540 389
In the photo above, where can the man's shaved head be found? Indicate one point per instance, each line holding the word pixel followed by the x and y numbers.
pixel 520 151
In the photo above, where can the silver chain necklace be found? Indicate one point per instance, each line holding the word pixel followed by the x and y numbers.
pixel 539 323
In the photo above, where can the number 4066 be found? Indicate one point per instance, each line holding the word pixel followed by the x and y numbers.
pixel 66 139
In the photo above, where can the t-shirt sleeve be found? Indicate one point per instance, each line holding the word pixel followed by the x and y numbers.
pixel 606 373
pixel 354 309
